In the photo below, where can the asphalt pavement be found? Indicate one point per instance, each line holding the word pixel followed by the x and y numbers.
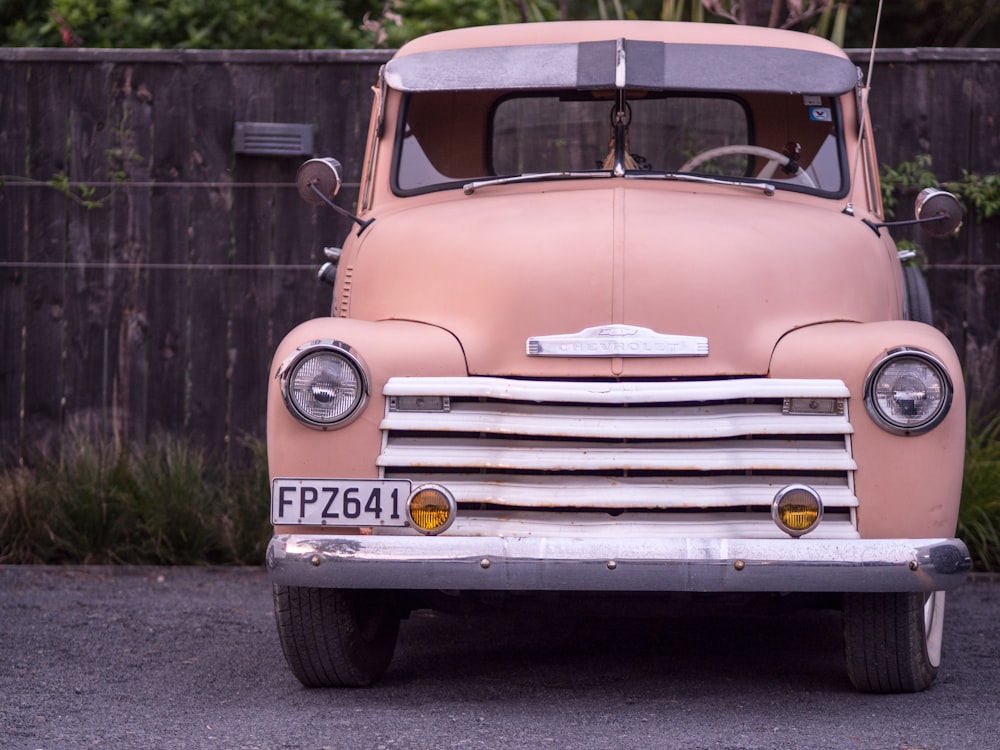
pixel 188 658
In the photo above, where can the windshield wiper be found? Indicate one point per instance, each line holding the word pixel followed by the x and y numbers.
pixel 766 187
pixel 471 187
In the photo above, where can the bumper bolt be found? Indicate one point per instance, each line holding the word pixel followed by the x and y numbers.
pixel 315 560
pixel 612 564
pixel 914 565
pixel 739 565
pixel 484 563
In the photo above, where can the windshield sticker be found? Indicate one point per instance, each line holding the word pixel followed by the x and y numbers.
pixel 820 114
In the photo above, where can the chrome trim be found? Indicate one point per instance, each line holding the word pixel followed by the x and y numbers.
pixel 884 422
pixel 287 367
pixel 617 341
pixel 620 64
pixel 612 564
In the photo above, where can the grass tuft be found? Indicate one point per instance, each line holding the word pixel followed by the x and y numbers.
pixel 979 514
pixel 167 504
pixel 161 504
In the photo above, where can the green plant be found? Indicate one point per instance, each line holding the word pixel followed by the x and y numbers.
pixel 979 516
pixel 174 504
pixel 25 510
pixel 245 521
pixel 980 192
pixel 160 504
pixel 909 175
pixel 678 10
pixel 90 521
pixel 201 24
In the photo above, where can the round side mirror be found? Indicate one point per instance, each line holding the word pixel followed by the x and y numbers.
pixel 318 179
pixel 939 212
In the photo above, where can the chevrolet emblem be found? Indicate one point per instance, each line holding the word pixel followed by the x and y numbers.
pixel 617 341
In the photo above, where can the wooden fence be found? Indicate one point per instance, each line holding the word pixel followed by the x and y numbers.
pixel 149 267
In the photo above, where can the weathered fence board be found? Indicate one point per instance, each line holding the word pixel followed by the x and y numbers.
pixel 944 103
pixel 148 301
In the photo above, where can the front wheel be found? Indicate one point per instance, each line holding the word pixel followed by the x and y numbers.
pixel 893 641
pixel 917 296
pixel 336 637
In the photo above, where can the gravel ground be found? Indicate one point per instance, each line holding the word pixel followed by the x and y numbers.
pixel 189 658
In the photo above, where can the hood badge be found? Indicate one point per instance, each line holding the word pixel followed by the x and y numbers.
pixel 617 341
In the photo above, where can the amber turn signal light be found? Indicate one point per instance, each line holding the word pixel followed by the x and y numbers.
pixel 797 509
pixel 431 509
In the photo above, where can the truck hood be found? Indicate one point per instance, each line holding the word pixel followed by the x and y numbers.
pixel 731 265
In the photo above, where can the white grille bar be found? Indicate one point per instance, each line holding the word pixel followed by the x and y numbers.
pixel 559 491
pixel 640 422
pixel 617 392
pixel 455 453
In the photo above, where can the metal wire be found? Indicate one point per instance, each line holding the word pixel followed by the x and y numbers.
pixel 159 266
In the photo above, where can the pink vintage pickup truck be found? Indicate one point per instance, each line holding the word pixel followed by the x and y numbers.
pixel 620 317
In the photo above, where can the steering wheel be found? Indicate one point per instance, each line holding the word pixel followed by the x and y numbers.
pixel 774 158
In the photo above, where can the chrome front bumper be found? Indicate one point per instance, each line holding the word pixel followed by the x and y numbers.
pixel 586 564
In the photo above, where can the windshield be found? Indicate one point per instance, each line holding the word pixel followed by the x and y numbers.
pixel 447 139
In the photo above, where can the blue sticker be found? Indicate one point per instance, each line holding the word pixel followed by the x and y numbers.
pixel 820 114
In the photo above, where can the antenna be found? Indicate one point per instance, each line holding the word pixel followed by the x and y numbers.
pixel 865 91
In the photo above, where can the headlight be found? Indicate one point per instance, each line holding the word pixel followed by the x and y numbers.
pixel 908 392
pixel 324 384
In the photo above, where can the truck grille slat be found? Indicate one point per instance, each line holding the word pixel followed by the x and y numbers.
pixel 686 492
pixel 534 455
pixel 641 422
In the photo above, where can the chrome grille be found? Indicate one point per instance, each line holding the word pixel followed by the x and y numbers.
pixel 687 453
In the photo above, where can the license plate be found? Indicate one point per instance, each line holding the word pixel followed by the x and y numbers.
pixel 339 502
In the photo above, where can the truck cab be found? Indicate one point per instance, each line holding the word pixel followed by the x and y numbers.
pixel 619 315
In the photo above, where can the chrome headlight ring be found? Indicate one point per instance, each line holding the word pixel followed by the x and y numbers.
pixel 908 392
pixel 324 384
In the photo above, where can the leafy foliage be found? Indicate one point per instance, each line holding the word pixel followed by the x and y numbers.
pixel 188 24
pixel 979 192
pixel 398 21
pixel 908 176
pixel 292 24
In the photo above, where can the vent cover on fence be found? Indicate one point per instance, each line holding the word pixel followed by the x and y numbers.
pixel 274 138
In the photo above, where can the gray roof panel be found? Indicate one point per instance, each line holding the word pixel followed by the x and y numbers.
pixel 648 65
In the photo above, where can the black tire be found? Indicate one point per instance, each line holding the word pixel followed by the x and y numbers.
pixel 918 296
pixel 336 637
pixel 893 641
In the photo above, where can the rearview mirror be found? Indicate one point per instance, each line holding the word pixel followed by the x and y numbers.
pixel 938 212
pixel 318 180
